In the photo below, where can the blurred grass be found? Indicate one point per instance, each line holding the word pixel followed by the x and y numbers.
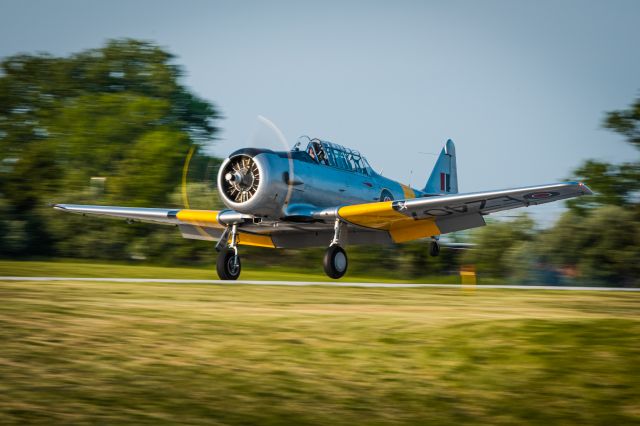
pixel 74 268
pixel 119 353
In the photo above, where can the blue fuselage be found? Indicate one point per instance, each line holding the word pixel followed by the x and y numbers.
pixel 293 184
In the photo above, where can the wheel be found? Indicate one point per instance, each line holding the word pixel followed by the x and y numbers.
pixel 335 262
pixel 434 249
pixel 228 265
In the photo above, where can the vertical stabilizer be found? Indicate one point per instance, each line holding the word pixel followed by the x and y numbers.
pixel 444 177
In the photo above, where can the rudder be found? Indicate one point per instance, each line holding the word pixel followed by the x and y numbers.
pixel 444 177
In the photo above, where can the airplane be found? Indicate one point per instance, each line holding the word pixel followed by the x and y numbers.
pixel 328 195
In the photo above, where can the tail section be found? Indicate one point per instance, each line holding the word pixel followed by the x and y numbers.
pixel 444 177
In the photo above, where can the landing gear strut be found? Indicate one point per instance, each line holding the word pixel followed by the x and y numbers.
pixel 228 264
pixel 335 258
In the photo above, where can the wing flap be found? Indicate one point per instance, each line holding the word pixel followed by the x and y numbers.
pixel 409 229
pixel 194 232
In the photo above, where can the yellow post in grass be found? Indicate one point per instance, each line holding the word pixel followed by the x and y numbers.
pixel 468 276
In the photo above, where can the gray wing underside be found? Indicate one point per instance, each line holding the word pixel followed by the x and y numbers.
pixel 140 214
pixel 205 228
pixel 491 201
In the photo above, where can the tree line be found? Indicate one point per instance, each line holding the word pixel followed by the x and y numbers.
pixel 111 125
pixel 597 240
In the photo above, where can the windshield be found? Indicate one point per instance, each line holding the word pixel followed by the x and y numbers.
pixel 334 155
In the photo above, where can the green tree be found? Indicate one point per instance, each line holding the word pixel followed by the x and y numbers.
pixel 495 242
pixel 604 247
pixel 119 113
pixel 614 184
pixel 626 122
pixel 599 238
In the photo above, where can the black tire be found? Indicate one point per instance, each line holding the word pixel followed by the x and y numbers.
pixel 434 249
pixel 335 262
pixel 226 267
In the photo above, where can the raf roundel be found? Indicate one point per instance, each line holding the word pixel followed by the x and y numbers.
pixel 541 195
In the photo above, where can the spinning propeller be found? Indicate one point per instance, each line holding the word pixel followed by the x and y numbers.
pixel 241 175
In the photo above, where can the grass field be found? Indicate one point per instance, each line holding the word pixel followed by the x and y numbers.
pixel 118 353
pixel 73 268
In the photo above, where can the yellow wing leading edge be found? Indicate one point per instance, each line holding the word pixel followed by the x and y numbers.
pixel 384 217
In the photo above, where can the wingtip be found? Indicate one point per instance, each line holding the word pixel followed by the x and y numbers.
pixel 585 189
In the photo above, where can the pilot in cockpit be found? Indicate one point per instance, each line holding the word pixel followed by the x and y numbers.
pixel 316 151
pixel 311 152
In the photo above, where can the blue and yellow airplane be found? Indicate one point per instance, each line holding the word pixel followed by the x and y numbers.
pixel 328 195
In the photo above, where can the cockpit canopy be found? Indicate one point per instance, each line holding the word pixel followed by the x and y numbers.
pixel 334 155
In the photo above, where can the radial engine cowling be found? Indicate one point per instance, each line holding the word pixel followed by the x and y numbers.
pixel 241 179
pixel 247 184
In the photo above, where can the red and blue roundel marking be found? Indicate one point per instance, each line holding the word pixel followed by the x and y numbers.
pixel 541 195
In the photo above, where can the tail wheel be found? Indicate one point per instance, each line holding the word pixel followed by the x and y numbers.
pixel 228 265
pixel 335 262
pixel 434 248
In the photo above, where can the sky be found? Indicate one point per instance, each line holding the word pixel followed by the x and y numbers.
pixel 521 87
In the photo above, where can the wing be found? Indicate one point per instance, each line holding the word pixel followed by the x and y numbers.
pixel 407 220
pixel 208 218
pixel 370 223
pixel 194 224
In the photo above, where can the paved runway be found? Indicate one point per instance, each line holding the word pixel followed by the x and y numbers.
pixel 314 283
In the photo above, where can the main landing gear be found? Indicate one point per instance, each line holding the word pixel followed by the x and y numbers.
pixel 335 258
pixel 228 265
pixel 335 262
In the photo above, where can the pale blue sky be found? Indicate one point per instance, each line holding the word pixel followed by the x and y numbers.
pixel 520 86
